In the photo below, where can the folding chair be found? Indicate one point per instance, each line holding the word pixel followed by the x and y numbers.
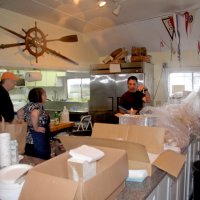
pixel 85 123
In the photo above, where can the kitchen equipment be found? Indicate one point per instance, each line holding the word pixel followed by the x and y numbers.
pixel 33 76
pixel 107 87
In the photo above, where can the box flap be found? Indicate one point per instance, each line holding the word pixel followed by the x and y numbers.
pixel 136 152
pixel 54 167
pixel 151 137
pixel 42 186
pixel 110 131
pixel 171 162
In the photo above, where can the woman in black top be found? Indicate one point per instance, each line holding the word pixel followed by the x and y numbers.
pixel 38 120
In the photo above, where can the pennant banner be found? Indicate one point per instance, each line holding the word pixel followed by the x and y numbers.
pixel 169 25
pixel 178 38
pixel 198 47
pixel 187 15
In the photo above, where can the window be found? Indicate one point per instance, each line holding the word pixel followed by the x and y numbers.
pixel 184 81
pixel 78 89
pixel 196 81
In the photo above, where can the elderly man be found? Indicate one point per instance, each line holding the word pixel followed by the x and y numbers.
pixel 8 82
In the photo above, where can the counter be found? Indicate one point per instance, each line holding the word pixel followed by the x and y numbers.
pixel 140 191
pixel 160 185
pixel 61 126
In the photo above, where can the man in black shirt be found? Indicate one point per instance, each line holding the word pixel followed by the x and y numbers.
pixel 8 82
pixel 133 99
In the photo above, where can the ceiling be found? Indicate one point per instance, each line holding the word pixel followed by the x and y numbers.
pixel 86 17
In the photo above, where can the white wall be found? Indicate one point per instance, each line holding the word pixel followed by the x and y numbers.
pixel 85 51
pixel 189 59
pixel 82 51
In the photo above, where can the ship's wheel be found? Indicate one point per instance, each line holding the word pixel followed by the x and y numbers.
pixel 36 43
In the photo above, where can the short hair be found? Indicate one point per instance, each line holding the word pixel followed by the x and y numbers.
pixel 2 82
pixel 35 95
pixel 132 78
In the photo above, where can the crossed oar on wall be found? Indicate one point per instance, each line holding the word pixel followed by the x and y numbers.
pixel 36 43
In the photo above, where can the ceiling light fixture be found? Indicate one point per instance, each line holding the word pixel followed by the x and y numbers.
pixel 101 3
pixel 116 11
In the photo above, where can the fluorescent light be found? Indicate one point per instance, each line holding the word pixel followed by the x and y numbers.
pixel 101 3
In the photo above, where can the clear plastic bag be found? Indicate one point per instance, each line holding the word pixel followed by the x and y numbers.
pixel 180 120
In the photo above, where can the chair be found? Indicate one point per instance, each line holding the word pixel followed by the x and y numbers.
pixel 85 123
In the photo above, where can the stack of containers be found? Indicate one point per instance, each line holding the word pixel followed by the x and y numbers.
pixel 12 180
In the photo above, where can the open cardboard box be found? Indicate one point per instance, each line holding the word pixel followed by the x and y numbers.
pixel 137 141
pixel 49 180
pixel 151 137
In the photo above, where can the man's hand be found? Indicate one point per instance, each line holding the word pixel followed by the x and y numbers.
pixel 141 88
pixel 132 111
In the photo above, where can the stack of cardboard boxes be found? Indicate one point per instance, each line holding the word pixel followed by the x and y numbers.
pixel 126 147
pixel 138 141
pixel 51 179
pixel 139 54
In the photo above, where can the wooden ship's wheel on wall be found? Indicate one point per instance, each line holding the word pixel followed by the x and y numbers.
pixel 36 43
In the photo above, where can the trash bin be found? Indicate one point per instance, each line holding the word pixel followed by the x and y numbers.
pixel 196 180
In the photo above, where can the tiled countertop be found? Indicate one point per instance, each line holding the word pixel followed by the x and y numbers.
pixel 140 191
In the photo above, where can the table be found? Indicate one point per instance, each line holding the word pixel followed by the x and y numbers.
pixel 61 126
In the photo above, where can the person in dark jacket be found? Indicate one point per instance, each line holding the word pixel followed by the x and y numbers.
pixel 8 82
pixel 132 100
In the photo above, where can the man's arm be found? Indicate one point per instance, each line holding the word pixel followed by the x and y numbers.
pixel 6 108
pixel 121 107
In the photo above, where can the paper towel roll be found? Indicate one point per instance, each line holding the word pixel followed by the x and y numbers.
pixel 33 76
pixel 5 151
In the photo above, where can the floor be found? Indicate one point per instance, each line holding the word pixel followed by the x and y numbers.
pixel 56 146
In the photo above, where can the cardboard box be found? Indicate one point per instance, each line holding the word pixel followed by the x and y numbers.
pixel 137 141
pixel 49 180
pixel 151 137
pixel 137 154
pixel 17 130
pixel 80 170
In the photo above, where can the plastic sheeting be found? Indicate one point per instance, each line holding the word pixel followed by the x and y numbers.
pixel 180 120
pixel 139 120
